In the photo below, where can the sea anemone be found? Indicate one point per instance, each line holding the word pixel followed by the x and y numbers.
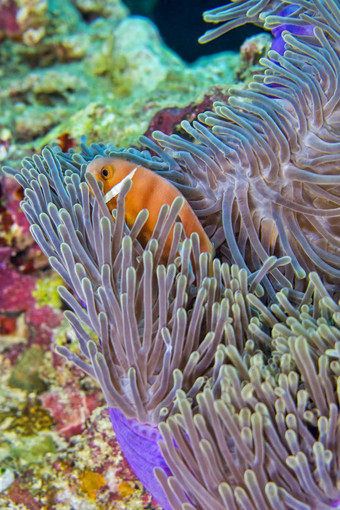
pixel 160 328
pixel 262 172
pixel 265 435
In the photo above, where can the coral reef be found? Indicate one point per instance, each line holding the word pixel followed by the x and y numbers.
pixel 221 374
pixel 91 62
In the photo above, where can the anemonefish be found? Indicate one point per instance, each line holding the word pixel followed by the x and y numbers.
pixel 148 191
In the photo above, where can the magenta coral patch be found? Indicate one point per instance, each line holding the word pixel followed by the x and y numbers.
pixel 69 409
pixel 15 290
pixel 8 20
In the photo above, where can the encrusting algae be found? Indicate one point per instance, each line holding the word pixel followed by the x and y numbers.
pixel 46 291
pixel 90 483
pixel 32 418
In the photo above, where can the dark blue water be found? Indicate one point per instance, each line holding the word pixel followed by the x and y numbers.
pixel 181 24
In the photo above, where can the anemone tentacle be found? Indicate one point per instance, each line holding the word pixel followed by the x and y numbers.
pixel 159 326
pixel 266 437
pixel 272 154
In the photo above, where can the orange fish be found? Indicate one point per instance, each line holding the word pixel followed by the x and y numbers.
pixel 148 191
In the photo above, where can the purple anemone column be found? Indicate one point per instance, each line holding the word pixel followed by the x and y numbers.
pixel 278 43
pixel 139 444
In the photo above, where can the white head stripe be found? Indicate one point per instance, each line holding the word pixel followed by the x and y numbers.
pixel 113 192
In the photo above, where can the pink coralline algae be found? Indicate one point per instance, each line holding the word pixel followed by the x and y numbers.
pixel 15 288
pixel 11 195
pixel 22 252
pixel 21 496
pixel 70 409
pixel 16 297
pixel 42 321
pixel 20 258
pixel 168 120
pixel 23 21
pixel 8 22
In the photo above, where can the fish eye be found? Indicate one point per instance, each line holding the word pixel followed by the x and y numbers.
pixel 105 172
